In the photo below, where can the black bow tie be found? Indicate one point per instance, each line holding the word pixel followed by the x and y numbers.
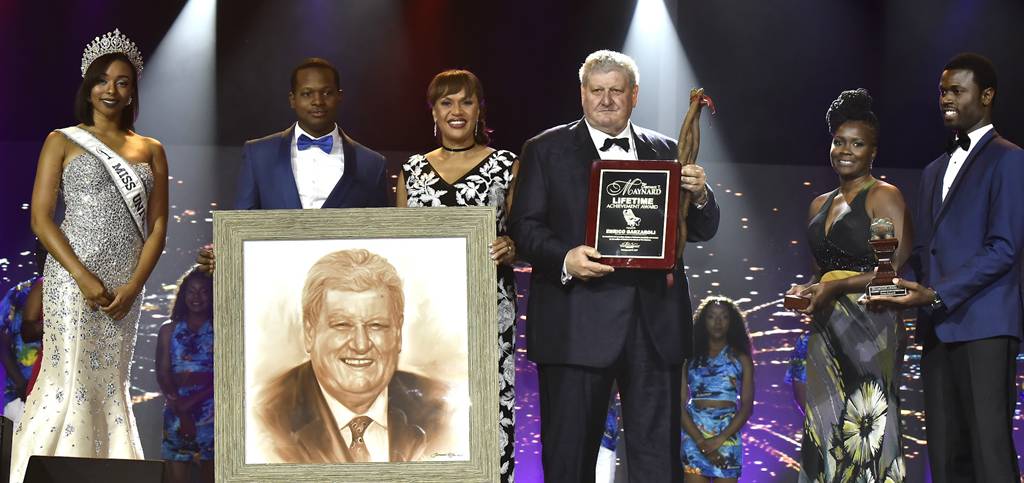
pixel 958 141
pixel 620 142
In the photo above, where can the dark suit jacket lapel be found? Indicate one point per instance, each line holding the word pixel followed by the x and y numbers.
pixel 975 152
pixel 586 152
pixel 935 199
pixel 283 171
pixel 316 430
pixel 644 148
pixel 342 193
pixel 406 440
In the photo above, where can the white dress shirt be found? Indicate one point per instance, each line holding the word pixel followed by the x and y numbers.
pixel 614 152
pixel 956 160
pixel 316 172
pixel 376 434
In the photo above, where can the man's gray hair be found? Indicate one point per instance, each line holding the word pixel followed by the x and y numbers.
pixel 608 60
pixel 356 270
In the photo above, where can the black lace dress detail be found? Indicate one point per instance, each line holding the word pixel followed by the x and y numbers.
pixel 487 184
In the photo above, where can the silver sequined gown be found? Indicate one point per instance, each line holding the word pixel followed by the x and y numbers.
pixel 80 405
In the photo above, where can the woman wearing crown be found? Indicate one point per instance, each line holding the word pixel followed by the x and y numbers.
pixel 114 186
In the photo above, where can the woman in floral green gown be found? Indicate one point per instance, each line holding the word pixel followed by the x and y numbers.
pixel 851 425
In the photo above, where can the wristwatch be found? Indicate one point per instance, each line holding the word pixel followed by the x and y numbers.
pixel 936 302
pixel 702 204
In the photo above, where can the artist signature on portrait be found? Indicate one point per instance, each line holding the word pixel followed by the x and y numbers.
pixel 446 455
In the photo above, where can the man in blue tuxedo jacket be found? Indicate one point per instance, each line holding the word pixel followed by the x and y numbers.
pixel 312 164
pixel 970 230
pixel 592 325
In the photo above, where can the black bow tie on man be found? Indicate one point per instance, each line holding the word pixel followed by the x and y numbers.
pixel 620 142
pixel 958 140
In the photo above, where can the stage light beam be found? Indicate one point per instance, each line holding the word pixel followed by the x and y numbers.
pixel 179 81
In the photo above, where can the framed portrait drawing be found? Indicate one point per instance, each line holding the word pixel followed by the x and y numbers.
pixel 356 345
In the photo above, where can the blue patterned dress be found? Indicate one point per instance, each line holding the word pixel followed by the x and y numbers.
pixel 797 371
pixel 713 379
pixel 190 352
pixel 612 423
pixel 25 353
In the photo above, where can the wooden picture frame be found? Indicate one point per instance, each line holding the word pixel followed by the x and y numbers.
pixel 442 252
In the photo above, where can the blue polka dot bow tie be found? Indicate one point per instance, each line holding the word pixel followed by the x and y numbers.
pixel 325 143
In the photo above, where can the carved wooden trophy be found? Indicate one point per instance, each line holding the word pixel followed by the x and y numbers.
pixel 884 242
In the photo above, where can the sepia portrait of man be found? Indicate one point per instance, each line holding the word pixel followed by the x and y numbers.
pixel 349 402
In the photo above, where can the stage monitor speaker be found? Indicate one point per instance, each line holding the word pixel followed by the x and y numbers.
pixel 6 431
pixel 59 469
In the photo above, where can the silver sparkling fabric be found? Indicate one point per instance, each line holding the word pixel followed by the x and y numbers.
pixel 80 405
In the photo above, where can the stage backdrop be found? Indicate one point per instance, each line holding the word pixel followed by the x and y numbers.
pixel 773 69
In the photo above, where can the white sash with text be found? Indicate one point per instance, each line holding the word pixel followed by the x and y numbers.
pixel 128 184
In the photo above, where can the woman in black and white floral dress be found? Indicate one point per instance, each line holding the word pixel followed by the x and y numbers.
pixel 465 171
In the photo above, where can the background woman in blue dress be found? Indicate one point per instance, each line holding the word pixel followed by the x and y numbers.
pixel 721 369
pixel 184 368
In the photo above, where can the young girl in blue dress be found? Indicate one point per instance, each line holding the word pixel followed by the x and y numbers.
pixel 796 374
pixel 184 367
pixel 720 370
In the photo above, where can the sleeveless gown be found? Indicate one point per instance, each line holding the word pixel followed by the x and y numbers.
pixel 81 405
pixel 852 425
pixel 484 185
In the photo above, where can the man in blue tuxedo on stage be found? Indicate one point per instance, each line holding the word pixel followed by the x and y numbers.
pixel 969 234
pixel 591 325
pixel 312 164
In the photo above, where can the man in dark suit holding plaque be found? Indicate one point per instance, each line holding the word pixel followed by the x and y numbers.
pixel 967 256
pixel 591 325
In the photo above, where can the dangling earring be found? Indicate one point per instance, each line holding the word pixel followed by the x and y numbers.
pixel 129 101
pixel 435 129
pixel 476 132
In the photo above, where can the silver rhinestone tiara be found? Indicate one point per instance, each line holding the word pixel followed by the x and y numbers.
pixel 110 43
